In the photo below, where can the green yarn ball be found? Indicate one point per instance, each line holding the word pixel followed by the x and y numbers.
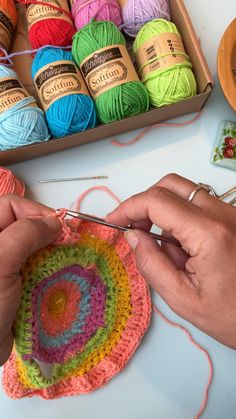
pixel 171 85
pixel 119 102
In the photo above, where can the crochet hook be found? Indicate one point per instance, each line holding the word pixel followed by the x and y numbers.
pixel 97 220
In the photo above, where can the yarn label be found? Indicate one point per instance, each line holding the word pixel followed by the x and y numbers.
pixel 6 30
pixel 107 68
pixel 57 80
pixel 11 92
pixel 53 9
pixel 161 52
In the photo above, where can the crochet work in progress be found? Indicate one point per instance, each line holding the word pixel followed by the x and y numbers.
pixel 83 312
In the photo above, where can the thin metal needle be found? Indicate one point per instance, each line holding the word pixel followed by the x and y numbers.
pixel 72 179
pixel 233 201
pixel 101 221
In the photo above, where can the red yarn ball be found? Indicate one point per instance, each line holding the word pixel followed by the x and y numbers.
pixel 54 32
pixel 51 31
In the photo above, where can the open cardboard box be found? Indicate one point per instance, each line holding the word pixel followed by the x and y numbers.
pixel 22 66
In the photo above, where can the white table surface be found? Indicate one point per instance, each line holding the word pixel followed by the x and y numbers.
pixel 166 377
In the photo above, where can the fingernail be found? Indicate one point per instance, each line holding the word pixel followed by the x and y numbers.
pixel 53 224
pixel 132 239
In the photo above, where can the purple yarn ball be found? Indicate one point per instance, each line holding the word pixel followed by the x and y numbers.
pixel 136 13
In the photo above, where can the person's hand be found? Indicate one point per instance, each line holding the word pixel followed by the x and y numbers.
pixel 20 236
pixel 198 283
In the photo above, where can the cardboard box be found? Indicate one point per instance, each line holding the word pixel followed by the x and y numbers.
pixel 200 68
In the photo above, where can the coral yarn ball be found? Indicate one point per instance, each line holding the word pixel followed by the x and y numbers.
pixel 9 183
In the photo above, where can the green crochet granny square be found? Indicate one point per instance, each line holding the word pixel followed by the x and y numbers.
pixel 224 151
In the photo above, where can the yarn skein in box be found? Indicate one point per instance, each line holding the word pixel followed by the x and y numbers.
pixel 165 66
pixel 8 21
pixel 69 108
pixel 21 121
pixel 100 46
pixel 84 10
pixel 135 13
pixel 49 25
pixel 205 83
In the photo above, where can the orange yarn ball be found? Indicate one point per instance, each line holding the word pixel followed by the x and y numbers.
pixel 7 8
pixel 9 183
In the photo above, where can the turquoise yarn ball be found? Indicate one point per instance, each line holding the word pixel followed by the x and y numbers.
pixel 72 113
pixel 23 123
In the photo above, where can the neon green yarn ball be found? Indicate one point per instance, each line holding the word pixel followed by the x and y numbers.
pixel 119 102
pixel 171 85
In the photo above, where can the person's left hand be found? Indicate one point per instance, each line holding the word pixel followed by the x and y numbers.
pixel 20 235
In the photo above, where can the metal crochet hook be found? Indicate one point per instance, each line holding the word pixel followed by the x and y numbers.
pixel 228 193
pixel 224 195
pixel 97 220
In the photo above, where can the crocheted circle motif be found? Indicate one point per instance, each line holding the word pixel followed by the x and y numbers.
pixel 84 310
pixel 68 307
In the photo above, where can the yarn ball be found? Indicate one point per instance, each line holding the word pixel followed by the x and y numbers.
pixel 9 9
pixel 83 11
pixel 135 13
pixel 128 99
pixel 23 123
pixel 52 31
pixel 69 114
pixel 9 183
pixel 84 310
pixel 169 85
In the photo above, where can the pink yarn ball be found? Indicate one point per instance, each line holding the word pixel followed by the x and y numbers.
pixel 136 13
pixel 84 10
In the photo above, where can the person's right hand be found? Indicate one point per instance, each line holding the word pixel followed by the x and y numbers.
pixel 199 284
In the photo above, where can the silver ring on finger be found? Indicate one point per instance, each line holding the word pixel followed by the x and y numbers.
pixel 199 187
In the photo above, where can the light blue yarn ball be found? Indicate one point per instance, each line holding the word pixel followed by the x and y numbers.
pixel 21 124
pixel 69 114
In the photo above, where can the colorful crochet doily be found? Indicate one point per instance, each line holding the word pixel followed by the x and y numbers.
pixel 83 312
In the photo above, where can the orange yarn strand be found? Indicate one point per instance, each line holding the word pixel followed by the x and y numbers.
pixel 188 334
pixel 148 129
pixel 77 204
